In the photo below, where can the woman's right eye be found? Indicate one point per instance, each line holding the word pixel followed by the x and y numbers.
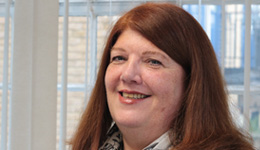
pixel 117 59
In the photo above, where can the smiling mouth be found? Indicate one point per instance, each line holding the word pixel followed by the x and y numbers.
pixel 133 96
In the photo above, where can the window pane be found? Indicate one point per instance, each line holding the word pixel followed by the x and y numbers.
pixel 2 41
pixel 255 46
pixel 74 110
pixel 76 49
pixel 105 24
pixel 2 21
pixel 234 55
pixel 236 107
pixel 75 107
pixel 255 118
pixel 76 71
pixel 210 20
pixel 255 75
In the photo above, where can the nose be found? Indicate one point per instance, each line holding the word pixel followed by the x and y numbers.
pixel 131 73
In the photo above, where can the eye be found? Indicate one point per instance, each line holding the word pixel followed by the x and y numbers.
pixel 117 59
pixel 154 62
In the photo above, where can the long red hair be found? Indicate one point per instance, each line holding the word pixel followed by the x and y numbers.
pixel 203 121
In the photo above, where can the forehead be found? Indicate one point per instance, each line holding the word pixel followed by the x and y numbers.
pixel 132 40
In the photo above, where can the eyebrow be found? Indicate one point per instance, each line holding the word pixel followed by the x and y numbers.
pixel 117 48
pixel 155 53
pixel 144 53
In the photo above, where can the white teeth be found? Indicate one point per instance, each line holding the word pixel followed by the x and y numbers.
pixel 133 96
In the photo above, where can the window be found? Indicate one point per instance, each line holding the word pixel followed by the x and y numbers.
pixel 5 62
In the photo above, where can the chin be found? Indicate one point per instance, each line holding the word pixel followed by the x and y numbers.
pixel 129 122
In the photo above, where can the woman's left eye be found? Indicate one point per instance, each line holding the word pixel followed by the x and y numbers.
pixel 154 62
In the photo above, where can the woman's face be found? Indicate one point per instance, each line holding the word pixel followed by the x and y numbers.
pixel 144 85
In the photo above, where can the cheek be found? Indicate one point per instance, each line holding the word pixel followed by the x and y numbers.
pixel 112 77
pixel 108 79
pixel 169 88
pixel 161 83
pixel 170 98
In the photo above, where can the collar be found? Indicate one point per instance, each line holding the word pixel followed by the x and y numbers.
pixel 115 141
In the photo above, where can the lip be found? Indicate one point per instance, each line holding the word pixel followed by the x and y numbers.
pixel 131 92
pixel 129 100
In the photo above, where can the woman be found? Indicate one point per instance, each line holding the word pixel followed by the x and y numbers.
pixel 159 87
